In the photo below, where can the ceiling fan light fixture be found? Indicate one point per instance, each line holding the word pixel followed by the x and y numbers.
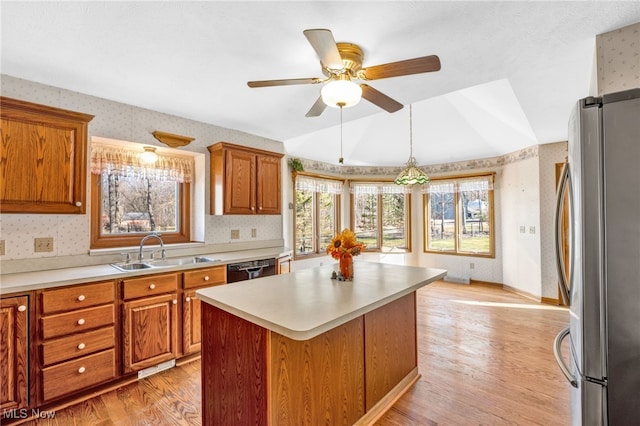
pixel 411 174
pixel 339 93
pixel 149 155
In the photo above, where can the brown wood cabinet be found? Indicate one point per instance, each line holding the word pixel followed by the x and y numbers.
pixel 14 350
pixel 283 265
pixel 78 339
pixel 43 158
pixel 150 321
pixel 191 306
pixel 244 180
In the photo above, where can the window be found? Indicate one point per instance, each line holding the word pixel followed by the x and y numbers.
pixel 130 198
pixel 458 215
pixel 317 210
pixel 380 216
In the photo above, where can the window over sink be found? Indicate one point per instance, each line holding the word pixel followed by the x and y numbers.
pixel 131 197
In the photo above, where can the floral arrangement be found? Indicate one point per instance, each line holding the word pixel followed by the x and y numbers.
pixel 345 242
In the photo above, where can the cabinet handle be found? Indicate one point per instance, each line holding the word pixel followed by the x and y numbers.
pixel 81 346
pixel 175 301
pixel 81 321
pixel 188 299
pixel 81 298
pixel 81 370
pixel 22 308
pixel 206 277
pixel 78 203
pixel 152 286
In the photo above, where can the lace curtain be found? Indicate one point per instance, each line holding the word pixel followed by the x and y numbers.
pixel 327 186
pixel 463 184
pixel 378 188
pixel 125 162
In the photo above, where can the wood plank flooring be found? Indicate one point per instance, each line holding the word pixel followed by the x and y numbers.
pixel 485 355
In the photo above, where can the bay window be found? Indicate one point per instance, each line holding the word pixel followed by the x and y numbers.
pixel 458 215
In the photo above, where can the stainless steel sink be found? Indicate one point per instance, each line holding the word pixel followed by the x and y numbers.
pixel 163 263
pixel 131 266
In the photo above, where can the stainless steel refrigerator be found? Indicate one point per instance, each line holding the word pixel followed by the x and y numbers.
pixel 602 183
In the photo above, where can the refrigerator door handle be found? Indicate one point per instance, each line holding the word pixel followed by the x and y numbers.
pixel 561 267
pixel 557 352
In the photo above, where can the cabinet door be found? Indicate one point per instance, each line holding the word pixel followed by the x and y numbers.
pixel 149 331
pixel 191 332
pixel 14 346
pixel 240 182
pixel 268 181
pixel 44 157
pixel 284 265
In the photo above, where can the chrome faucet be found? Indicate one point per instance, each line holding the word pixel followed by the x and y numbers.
pixel 146 237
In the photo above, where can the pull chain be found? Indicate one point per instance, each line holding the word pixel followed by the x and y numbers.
pixel 341 160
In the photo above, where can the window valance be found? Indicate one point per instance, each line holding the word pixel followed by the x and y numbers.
pixel 460 184
pixel 327 186
pixel 125 162
pixel 372 188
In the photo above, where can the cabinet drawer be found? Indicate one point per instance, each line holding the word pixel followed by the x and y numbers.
pixel 81 373
pixel 149 286
pixel 77 321
pixel 65 348
pixel 205 277
pixel 77 297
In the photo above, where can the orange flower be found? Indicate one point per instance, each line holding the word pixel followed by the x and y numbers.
pixel 345 242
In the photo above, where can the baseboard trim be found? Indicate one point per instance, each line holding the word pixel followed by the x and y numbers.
pixel 550 301
pixel 521 293
pixel 486 283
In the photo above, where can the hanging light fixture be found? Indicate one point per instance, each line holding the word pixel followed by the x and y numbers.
pixel 341 93
pixel 411 173
pixel 149 155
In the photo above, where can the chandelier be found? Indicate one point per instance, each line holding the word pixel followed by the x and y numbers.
pixel 411 173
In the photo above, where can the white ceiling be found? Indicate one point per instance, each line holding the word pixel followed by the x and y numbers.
pixel 511 71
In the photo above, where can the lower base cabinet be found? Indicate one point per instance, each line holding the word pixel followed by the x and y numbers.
pixel 14 349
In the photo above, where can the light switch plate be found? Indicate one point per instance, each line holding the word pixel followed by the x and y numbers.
pixel 523 229
pixel 254 232
pixel 2 248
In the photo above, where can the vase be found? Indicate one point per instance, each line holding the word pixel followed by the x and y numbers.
pixel 346 266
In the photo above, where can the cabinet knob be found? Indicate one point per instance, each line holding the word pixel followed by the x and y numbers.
pixel 206 277
pixel 260 208
pixel 152 286
pixel 81 346
pixel 175 301
pixel 252 208
pixel 81 370
pixel 78 203
pixel 81 321
pixel 188 299
pixel 81 298
pixel 22 308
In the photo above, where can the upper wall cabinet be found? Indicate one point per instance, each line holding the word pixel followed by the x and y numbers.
pixel 244 180
pixel 43 158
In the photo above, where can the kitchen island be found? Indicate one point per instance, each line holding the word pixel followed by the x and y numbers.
pixel 301 348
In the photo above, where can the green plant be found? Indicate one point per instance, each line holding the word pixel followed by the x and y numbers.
pixel 296 165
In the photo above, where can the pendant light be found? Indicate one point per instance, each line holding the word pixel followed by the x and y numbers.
pixel 411 173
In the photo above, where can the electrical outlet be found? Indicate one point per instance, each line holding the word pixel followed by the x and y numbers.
pixel 254 232
pixel 2 250
pixel 523 229
pixel 472 265
pixel 43 244
pixel 235 234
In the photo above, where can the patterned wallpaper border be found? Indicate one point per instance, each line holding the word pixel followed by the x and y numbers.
pixel 483 163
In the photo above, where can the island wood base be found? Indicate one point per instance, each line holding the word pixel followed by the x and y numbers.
pixel 350 374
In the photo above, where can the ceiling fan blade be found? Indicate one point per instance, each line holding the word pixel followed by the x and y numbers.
pixel 378 98
pixel 317 108
pixel 325 46
pixel 286 82
pixel 407 67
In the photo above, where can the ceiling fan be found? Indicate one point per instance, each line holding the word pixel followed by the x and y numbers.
pixel 342 64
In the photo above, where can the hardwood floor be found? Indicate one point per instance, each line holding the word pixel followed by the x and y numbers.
pixel 485 355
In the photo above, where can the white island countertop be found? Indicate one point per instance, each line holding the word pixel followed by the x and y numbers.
pixel 306 303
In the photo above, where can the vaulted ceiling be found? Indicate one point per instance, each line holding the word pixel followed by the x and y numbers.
pixel 511 71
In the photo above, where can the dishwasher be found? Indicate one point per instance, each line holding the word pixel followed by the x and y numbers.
pixel 250 270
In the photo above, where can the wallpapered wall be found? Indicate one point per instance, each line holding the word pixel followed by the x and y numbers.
pixel 118 121
pixel 618 59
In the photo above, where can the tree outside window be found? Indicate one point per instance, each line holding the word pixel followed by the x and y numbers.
pixel 380 216
pixel 317 204
pixel 458 215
